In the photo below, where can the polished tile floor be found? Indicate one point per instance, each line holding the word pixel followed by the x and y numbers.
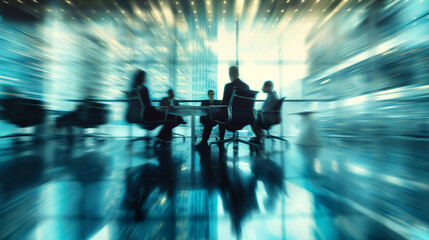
pixel 63 189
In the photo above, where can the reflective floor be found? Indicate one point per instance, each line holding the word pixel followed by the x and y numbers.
pixel 347 189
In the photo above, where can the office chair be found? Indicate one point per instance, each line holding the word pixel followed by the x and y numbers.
pixel 135 114
pixel 240 114
pixel 271 118
pixel 211 134
pixel 23 112
pixel 93 115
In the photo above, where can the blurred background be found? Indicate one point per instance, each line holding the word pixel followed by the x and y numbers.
pixel 367 61
pixel 359 68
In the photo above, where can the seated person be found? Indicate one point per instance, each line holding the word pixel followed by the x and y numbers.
pixel 205 120
pixel 150 113
pixel 268 105
pixel 221 114
pixel 169 101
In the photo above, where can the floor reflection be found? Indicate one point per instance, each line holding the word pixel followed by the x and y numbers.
pixel 62 189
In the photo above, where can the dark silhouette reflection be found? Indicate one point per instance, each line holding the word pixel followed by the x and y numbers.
pixel 20 176
pixel 237 187
pixel 86 162
pixel 24 170
pixel 89 168
pixel 272 175
pixel 143 180
pixel 237 192
pixel 310 163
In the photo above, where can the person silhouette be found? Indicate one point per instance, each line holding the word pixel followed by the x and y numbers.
pixel 221 114
pixel 150 113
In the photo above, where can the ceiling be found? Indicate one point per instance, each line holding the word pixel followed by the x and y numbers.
pixel 185 15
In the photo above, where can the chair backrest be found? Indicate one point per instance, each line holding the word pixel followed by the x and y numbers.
pixel 26 112
pixel 93 114
pixel 241 107
pixel 275 117
pixel 134 108
pixel 136 111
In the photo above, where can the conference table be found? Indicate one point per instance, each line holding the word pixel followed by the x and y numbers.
pixel 307 135
pixel 182 110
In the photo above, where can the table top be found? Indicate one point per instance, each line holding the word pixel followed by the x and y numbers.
pixel 304 113
pixel 190 110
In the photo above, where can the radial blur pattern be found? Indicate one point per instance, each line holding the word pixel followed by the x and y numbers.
pixel 355 72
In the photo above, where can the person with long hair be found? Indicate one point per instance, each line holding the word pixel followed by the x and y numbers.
pixel 150 113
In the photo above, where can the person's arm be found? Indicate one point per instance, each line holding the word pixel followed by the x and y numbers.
pixel 270 102
pixel 227 92
pixel 164 102
pixel 144 94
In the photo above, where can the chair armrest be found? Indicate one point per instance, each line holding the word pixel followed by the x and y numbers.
pixel 270 111
pixel 269 116
pixel 211 108
pixel 165 110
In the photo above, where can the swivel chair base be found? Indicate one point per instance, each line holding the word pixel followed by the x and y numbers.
pixel 275 137
pixel 272 137
pixel 178 135
pixel 200 135
pixel 235 140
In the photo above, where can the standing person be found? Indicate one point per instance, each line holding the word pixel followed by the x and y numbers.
pixel 150 113
pixel 205 120
pixel 221 114
pixel 169 101
pixel 268 105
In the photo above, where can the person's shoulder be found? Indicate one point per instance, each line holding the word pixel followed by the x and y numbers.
pixel 229 86
pixel 142 89
pixel 243 84
pixel 164 100
pixel 274 95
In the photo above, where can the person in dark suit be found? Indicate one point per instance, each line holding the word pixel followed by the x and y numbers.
pixel 149 113
pixel 169 101
pixel 205 120
pixel 221 114
pixel 211 100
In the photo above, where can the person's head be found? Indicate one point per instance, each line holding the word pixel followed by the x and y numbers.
pixel 139 78
pixel 211 93
pixel 170 93
pixel 268 86
pixel 233 73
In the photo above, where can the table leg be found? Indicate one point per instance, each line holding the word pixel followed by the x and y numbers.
pixel 307 134
pixel 193 128
pixel 192 142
